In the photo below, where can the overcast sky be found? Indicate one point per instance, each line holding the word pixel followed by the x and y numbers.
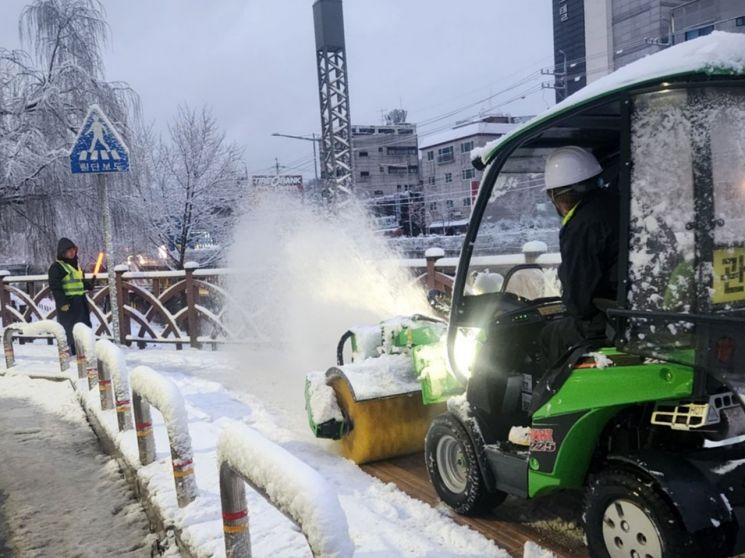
pixel 253 62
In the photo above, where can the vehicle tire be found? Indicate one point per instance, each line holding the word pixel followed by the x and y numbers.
pixel 453 467
pixel 625 516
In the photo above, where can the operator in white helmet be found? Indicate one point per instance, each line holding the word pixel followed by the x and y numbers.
pixel 588 241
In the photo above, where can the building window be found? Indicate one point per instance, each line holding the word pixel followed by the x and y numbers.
pixel 433 206
pixel 380 150
pixel 382 168
pixel 362 154
pixel 700 32
pixel 430 155
pixel 740 21
pixel 468 174
pixel 405 131
pixel 449 203
pixel 398 187
pixel 445 155
pixel 413 169
pixel 448 177
pixel 386 131
pixel 431 180
pixel 466 147
pixel 378 193
pixel 466 202
pixel 364 174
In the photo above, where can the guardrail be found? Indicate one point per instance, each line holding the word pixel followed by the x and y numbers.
pixel 150 388
pixel 294 488
pixel 189 307
pixel 37 329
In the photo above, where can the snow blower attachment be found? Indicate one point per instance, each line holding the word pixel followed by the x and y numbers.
pixel 381 403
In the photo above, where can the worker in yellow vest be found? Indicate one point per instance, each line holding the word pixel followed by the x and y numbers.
pixel 67 283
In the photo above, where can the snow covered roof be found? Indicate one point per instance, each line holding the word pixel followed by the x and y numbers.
pixel 465 131
pixel 719 53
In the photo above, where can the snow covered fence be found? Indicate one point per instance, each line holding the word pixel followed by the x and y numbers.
pixel 150 388
pixel 85 342
pixel 36 329
pixel 114 369
pixel 293 487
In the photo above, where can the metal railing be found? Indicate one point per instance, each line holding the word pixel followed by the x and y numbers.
pixel 246 456
pixel 190 307
pixel 42 328
pixel 150 388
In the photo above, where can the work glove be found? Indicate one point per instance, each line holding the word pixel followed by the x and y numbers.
pixel 65 307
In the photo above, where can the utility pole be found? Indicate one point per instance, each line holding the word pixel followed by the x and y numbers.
pixel 558 77
pixel 313 138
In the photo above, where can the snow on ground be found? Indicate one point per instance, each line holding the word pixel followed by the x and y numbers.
pixel 382 520
pixel 59 495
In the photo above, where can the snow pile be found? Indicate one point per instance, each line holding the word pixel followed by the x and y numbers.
pixel 532 550
pixel 601 360
pixel 321 399
pixel 382 377
pixel 113 358
pixel 298 490
pixel 434 252
pixel 163 394
pixel 718 53
pixel 534 247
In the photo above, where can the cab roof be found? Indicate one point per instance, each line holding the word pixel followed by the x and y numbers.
pixel 717 54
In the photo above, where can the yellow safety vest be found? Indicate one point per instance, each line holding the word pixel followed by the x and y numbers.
pixel 72 284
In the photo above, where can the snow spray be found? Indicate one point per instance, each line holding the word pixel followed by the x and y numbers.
pixel 305 276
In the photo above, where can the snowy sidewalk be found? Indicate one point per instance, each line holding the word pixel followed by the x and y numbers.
pixel 382 520
pixel 61 496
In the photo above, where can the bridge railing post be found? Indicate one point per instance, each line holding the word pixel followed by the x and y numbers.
pixel 147 387
pixel 121 295
pixel 234 513
pixel 192 315
pixel 5 316
pixel 10 357
pixel 431 255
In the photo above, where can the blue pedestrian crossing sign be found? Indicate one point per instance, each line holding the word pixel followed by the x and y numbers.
pixel 98 147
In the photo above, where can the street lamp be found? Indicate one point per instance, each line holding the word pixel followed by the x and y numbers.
pixel 313 138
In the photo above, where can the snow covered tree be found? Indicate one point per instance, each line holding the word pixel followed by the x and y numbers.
pixel 198 179
pixel 44 95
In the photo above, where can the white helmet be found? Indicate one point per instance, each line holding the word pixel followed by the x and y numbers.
pixel 570 165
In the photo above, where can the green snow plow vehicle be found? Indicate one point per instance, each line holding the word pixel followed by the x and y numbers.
pixel 649 422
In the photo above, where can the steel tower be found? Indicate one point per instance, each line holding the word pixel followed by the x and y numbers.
pixel 333 90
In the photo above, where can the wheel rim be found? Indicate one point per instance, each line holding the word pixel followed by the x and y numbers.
pixel 629 532
pixel 451 463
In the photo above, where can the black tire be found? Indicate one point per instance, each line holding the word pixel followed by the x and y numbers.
pixel 453 467
pixel 628 497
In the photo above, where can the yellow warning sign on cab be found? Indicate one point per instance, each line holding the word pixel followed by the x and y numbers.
pixel 729 275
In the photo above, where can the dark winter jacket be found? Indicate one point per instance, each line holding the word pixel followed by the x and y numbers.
pixel 589 255
pixel 57 273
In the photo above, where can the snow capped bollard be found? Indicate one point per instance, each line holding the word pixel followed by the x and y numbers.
pixel 294 488
pixel 115 369
pixel 150 388
pixel 46 327
pixel 432 255
pixel 8 333
pixel 533 249
pixel 85 342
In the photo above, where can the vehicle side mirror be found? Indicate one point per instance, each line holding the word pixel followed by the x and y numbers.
pixel 439 300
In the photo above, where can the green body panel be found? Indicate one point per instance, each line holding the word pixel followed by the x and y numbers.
pixel 619 385
pixel 417 335
pixel 600 393
pixel 439 388
pixel 574 454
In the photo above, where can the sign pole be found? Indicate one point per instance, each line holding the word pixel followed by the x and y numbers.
pixel 99 149
pixel 103 197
